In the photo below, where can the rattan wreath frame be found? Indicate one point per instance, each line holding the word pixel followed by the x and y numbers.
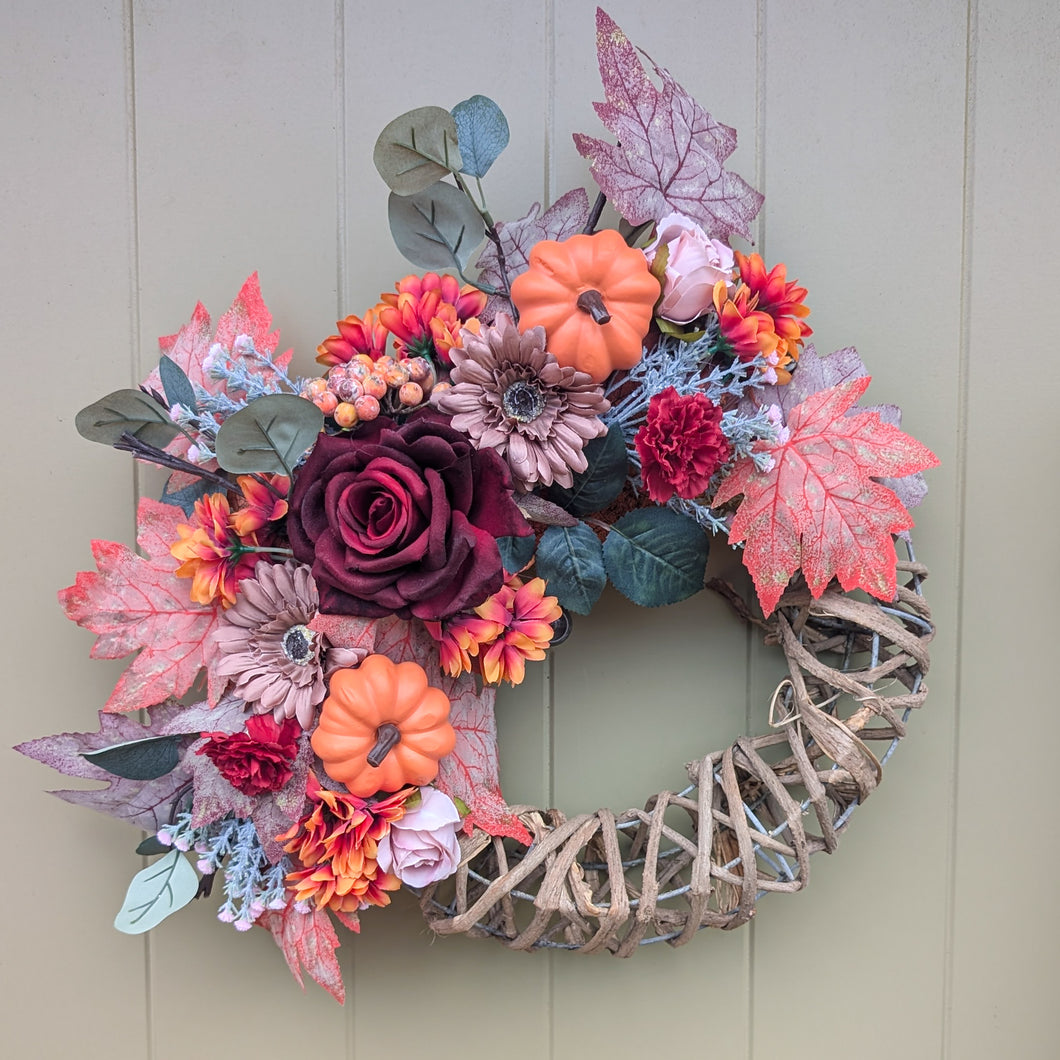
pixel 609 883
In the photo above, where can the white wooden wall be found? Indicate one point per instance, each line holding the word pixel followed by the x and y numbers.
pixel 155 152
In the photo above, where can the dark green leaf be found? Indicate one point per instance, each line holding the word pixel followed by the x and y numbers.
pixel 269 435
pixel 516 552
pixel 417 149
pixel 138 759
pixel 126 412
pixel 151 846
pixel 482 132
pixel 656 556
pixel 436 228
pixel 185 498
pixel 176 384
pixel 602 481
pixel 570 559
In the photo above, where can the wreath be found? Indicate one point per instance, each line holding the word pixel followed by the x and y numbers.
pixel 343 568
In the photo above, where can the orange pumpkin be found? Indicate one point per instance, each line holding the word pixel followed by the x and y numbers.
pixel 594 297
pixel 383 727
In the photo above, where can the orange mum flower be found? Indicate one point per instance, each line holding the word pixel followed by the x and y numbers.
pixel 748 331
pixel 783 301
pixel 459 639
pixel 212 553
pixel 525 615
pixel 355 336
pixel 336 844
pixel 263 505
pixel 427 312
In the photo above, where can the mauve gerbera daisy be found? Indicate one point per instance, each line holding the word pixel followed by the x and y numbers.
pixel 264 649
pixel 510 394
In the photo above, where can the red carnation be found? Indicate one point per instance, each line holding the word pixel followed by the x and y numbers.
pixel 681 445
pixel 258 759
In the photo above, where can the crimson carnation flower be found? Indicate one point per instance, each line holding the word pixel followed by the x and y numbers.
pixel 681 445
pixel 403 520
pixel 257 760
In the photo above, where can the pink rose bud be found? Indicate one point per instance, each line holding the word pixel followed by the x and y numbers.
pixel 422 847
pixel 693 266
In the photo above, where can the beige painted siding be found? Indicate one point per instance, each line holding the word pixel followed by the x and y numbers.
pixel 155 153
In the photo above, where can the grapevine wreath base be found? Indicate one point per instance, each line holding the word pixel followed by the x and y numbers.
pixel 603 882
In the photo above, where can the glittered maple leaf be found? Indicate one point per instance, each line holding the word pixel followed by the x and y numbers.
pixel 817 508
pixel 670 151
pixel 137 603
pixel 308 940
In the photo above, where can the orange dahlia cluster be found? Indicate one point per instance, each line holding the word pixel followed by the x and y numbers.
pixel 336 844
pixel 513 625
pixel 763 315
pixel 424 316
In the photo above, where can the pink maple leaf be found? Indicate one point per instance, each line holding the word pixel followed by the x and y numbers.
pixel 670 151
pixel 817 508
pixel 308 940
pixel 136 603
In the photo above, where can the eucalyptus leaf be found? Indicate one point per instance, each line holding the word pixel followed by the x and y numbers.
pixel 601 482
pixel 138 759
pixel 436 228
pixel 570 559
pixel 155 892
pixel 151 846
pixel 516 552
pixel 126 412
pixel 269 435
pixel 482 133
pixel 417 149
pixel 185 497
pixel 656 556
pixel 176 384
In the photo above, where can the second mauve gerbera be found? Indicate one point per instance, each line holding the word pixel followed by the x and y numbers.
pixel 510 394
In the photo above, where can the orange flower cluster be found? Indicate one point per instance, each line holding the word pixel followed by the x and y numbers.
pixel 513 625
pixel 763 315
pixel 217 548
pixel 424 317
pixel 336 844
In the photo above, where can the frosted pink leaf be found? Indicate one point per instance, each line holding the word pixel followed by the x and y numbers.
pixel 670 151
pixel 135 603
pixel 308 941
pixel 818 508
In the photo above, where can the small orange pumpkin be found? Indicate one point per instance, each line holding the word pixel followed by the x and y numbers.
pixel 594 297
pixel 382 727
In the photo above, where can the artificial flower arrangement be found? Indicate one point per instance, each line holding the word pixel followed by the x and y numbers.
pixel 351 563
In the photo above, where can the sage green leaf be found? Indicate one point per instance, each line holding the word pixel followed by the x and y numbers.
pixel 155 892
pixel 482 133
pixel 151 846
pixel 417 149
pixel 601 482
pixel 570 559
pixel 126 412
pixel 176 384
pixel 138 759
pixel 516 552
pixel 656 556
pixel 436 228
pixel 270 435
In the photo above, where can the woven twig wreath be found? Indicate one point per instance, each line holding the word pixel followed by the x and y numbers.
pixel 606 882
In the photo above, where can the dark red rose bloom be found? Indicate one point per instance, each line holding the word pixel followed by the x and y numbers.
pixel 258 759
pixel 681 445
pixel 403 520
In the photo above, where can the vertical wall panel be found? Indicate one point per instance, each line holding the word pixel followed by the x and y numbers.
pixel 1005 962
pixel 864 149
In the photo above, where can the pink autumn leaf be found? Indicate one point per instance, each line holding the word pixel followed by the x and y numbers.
pixel 819 508
pixel 670 151
pixel 308 941
pixel 136 603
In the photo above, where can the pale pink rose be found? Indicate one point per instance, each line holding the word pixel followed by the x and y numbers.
pixel 695 264
pixel 422 847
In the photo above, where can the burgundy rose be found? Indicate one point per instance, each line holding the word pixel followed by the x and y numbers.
pixel 258 759
pixel 403 520
pixel 681 445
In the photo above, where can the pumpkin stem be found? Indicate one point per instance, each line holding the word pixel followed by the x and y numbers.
pixel 387 737
pixel 592 302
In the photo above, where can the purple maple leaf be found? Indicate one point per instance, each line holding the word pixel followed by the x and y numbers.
pixel 670 151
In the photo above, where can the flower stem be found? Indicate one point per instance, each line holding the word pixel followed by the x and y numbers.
pixel 387 737
pixel 151 454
